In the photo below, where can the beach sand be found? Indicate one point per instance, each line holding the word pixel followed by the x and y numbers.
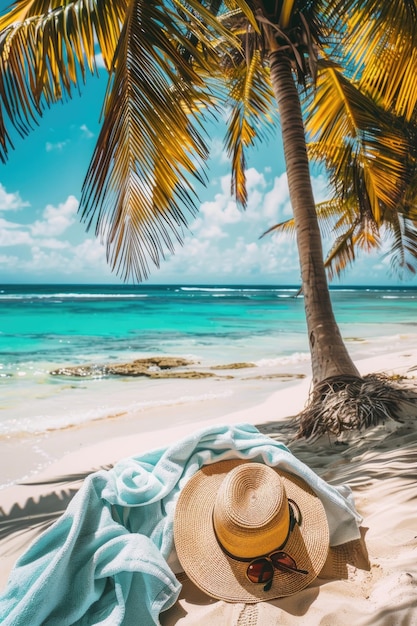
pixel 379 586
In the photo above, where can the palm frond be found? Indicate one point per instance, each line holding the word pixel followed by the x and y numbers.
pixel 287 9
pixel 48 46
pixel 341 255
pixel 287 227
pixel 137 189
pixel 333 216
pixel 381 44
pixel 339 222
pixel 250 100
pixel 20 10
pixel 360 144
pixel 403 250
pixel 360 234
pixel 45 52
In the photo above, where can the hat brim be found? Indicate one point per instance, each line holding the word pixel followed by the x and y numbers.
pixel 224 578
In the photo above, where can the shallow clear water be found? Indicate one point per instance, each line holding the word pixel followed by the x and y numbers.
pixel 47 326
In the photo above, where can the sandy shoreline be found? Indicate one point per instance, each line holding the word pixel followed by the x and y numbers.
pixel 26 454
pixel 379 465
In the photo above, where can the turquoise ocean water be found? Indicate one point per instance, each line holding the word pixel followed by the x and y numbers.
pixel 48 326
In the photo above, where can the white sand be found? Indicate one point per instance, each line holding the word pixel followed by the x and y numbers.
pixel 380 465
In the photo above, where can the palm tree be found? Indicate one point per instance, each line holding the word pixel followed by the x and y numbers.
pixel 364 148
pixel 169 62
pixel 288 37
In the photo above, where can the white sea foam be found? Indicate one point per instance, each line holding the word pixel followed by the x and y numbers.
pixel 238 289
pixel 73 407
pixel 210 289
pixel 293 359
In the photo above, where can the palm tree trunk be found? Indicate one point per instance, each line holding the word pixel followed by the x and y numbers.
pixel 329 356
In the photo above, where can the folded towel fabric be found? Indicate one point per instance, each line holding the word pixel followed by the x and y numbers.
pixel 104 561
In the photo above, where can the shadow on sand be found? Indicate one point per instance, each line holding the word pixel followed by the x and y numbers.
pixel 23 523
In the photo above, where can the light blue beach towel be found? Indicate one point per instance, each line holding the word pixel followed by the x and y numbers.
pixel 104 561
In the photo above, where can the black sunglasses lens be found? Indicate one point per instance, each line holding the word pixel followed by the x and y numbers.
pixel 260 571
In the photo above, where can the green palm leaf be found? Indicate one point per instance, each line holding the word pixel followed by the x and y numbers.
pixel 381 44
pixel 47 54
pixel 365 151
pixel 250 99
pixel 403 250
pixel 137 188
pixel 160 57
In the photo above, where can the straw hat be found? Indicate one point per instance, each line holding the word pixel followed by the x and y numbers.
pixel 232 512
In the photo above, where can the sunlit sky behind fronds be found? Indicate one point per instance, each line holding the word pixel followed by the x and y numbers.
pixel 42 239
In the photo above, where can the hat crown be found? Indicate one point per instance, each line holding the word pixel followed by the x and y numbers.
pixel 251 514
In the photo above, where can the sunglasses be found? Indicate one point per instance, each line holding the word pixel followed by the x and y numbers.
pixel 261 569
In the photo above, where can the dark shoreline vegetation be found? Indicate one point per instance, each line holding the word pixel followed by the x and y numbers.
pixel 158 367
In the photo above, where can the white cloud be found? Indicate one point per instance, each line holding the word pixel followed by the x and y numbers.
pixel 223 245
pixel 12 233
pixel 243 258
pixel 222 210
pixel 59 145
pixel 86 131
pixel 218 151
pixel 47 251
pixel 53 261
pixel 5 224
pixel 255 206
pixel 212 232
pixel 321 189
pixel 60 258
pixel 53 244
pixel 264 208
pixel 254 179
pixel 90 254
pixel 11 201
pixel 42 233
pixel 99 60
pixel 8 261
pixel 9 237
pixel 56 219
pixel 277 200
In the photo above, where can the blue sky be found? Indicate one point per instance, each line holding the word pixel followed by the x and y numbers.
pixel 43 241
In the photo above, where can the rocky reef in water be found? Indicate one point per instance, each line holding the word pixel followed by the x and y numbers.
pixel 155 367
pixel 151 367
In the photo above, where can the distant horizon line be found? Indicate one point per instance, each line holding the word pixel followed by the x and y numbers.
pixel 199 284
